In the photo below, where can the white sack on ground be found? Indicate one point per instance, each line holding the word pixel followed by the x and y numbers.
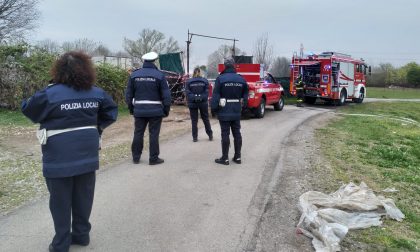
pixel 327 218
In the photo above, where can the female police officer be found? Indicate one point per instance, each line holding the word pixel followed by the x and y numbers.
pixel 197 91
pixel 71 112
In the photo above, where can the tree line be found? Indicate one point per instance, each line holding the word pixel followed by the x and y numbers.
pixel 386 75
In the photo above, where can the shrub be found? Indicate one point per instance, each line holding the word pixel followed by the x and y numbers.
pixel 113 80
pixel 23 70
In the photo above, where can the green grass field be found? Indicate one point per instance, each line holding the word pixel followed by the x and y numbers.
pixel 393 93
pixel 383 152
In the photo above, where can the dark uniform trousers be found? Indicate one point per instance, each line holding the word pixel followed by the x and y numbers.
pixel 299 93
pixel 204 113
pixel 154 130
pixel 71 200
pixel 226 127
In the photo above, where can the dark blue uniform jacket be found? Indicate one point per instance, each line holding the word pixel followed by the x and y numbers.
pixel 148 84
pixel 197 91
pixel 231 86
pixel 61 107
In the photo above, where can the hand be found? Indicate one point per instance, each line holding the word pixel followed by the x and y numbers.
pixel 166 110
pixel 131 111
pixel 213 113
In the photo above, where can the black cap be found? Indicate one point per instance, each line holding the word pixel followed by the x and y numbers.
pixel 229 62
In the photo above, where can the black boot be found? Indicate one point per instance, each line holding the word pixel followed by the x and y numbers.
pixel 238 145
pixel 225 153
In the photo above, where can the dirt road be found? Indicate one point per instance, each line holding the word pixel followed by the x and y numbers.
pixel 190 203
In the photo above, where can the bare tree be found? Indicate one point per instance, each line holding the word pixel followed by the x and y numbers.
pixel 217 57
pixel 263 51
pixel 85 45
pixel 281 67
pixel 150 40
pixel 101 50
pixel 49 46
pixel 17 18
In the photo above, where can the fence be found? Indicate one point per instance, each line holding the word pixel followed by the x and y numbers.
pixel 121 62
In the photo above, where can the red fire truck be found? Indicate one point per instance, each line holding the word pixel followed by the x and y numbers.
pixel 263 88
pixel 330 76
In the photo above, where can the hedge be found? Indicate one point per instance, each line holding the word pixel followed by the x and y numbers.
pixel 25 69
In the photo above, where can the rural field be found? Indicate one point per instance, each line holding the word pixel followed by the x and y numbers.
pixel 396 93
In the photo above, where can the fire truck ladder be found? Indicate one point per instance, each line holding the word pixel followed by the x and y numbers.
pixel 295 71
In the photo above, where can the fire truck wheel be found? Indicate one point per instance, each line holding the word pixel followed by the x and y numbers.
pixel 310 100
pixel 343 96
pixel 278 106
pixel 260 111
pixel 360 99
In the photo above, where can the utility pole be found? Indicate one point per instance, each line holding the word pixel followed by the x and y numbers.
pixel 190 35
pixel 301 51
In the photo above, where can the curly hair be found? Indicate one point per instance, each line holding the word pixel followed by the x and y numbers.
pixel 74 69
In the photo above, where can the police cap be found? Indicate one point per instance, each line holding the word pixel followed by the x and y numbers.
pixel 150 56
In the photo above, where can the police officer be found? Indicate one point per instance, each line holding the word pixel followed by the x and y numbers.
pixel 72 113
pixel 299 91
pixel 197 91
pixel 230 94
pixel 148 99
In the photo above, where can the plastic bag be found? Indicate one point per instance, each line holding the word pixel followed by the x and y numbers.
pixel 327 218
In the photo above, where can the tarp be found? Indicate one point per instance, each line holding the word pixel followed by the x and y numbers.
pixel 243 59
pixel 327 218
pixel 171 62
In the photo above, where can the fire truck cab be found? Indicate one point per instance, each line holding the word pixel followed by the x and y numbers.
pixel 263 88
pixel 330 76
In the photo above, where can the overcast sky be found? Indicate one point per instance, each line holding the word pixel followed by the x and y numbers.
pixel 377 30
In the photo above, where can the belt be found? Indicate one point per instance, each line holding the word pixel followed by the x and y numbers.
pixel 233 100
pixel 146 102
pixel 44 134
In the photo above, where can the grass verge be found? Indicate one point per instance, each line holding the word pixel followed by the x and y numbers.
pixel 383 152
pixel 393 93
pixel 13 118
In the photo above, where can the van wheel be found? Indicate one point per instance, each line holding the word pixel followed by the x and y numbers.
pixel 260 111
pixel 278 106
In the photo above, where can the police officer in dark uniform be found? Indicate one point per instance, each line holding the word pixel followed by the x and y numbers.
pixel 148 99
pixel 299 91
pixel 72 113
pixel 230 94
pixel 197 91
